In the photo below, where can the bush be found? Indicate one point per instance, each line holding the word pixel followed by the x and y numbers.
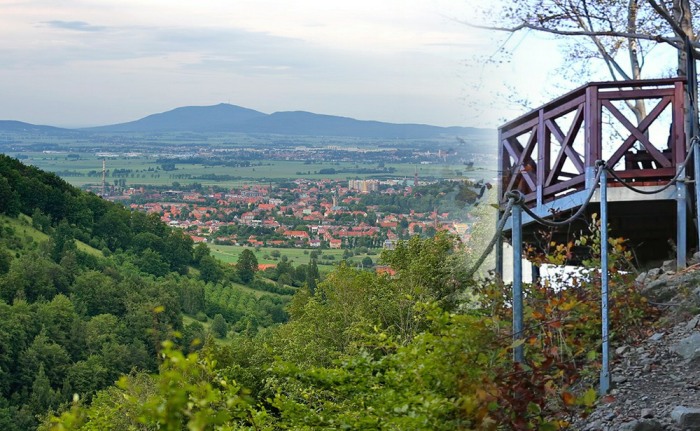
pixel 219 327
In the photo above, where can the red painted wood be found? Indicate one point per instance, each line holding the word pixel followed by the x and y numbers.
pixel 543 181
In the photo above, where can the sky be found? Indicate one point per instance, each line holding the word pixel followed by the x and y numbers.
pixel 79 63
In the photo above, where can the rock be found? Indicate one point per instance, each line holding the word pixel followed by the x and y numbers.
pixel 692 323
pixel 688 348
pixel 647 414
pixel 668 265
pixel 595 426
pixel 641 278
pixel 622 350
pixel 617 379
pixel 661 289
pixel 654 272
pixel 643 425
pixel 687 418
pixel 657 337
pixel 655 286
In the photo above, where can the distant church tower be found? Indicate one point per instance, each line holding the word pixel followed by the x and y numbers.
pixel 415 177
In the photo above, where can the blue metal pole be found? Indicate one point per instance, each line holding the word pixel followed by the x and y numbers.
pixel 518 354
pixel 605 369
pixel 681 222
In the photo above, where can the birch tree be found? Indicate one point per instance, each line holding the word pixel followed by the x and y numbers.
pixel 619 33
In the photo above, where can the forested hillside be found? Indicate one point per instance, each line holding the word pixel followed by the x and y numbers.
pixel 92 294
pixel 90 290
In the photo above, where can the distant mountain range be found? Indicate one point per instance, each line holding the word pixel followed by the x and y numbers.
pixel 231 118
pixel 11 126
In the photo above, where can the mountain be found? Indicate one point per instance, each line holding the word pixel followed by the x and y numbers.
pixel 231 118
pixel 217 118
pixel 11 126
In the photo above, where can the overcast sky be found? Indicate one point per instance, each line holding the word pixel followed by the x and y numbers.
pixel 94 62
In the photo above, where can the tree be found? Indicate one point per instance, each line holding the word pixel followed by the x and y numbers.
pixel 247 265
pixel 178 251
pixel 40 221
pixel 219 326
pixel 620 33
pixel 152 263
pixel 43 397
pixel 209 270
pixel 200 251
pixel 9 199
pixel 312 276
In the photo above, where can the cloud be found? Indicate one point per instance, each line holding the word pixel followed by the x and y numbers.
pixel 74 25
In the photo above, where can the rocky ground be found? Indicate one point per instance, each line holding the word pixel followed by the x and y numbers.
pixel 656 384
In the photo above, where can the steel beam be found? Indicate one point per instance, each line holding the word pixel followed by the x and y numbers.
pixel 605 368
pixel 681 221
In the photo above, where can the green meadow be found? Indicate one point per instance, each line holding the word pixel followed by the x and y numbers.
pixel 144 170
pixel 327 260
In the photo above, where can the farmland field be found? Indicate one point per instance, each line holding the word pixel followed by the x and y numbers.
pixel 144 170
pixel 297 256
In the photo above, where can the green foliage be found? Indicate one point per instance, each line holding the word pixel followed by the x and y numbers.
pixel 364 351
pixel 188 393
pixel 428 267
pixel 312 276
pixel 242 309
pixel 152 263
pixel 246 266
pixel 219 326
pixel 434 383
pixel 9 200
pixel 210 270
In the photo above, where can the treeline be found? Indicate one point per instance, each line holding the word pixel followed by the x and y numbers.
pixel 443 196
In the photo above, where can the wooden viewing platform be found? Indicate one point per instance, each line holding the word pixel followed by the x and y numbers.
pixel 550 155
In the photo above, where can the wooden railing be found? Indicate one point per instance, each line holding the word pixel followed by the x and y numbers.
pixel 552 151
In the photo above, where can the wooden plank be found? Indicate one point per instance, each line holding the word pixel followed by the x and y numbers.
pixel 514 149
pixel 544 148
pixel 648 93
pixel 594 147
pixel 510 132
pixel 679 144
pixel 574 183
pixel 561 110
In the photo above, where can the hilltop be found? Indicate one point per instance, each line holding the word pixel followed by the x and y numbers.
pixel 231 118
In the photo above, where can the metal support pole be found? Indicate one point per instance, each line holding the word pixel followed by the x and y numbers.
pixel 681 222
pixel 518 355
pixel 605 369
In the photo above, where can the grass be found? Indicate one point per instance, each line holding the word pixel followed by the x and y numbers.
pixel 296 256
pixel 23 225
